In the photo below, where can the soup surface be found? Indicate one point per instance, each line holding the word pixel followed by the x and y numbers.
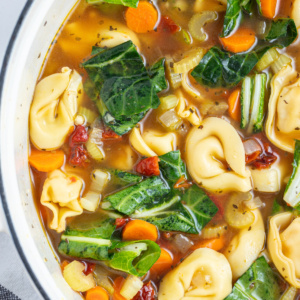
pixel 164 149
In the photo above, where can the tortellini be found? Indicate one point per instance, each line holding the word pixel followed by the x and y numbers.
pixel 54 108
pixel 61 193
pixel 204 274
pixel 246 246
pixel 283 122
pixel 284 245
pixel 296 12
pixel 152 143
pixel 189 112
pixel 216 157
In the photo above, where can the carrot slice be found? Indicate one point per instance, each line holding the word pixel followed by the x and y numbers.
pixel 164 262
pixel 242 40
pixel 140 230
pixel 234 104
pixel 268 8
pixel 143 18
pixel 118 283
pixel 97 293
pixel 46 161
pixel 216 244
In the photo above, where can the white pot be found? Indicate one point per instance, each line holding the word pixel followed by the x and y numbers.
pixel 36 28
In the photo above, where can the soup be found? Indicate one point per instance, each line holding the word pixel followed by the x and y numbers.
pixel 165 149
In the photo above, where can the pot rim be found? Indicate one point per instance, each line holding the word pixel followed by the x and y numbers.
pixel 6 61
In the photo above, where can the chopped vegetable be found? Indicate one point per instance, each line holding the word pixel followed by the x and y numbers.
pixel 131 286
pixel 214 231
pixel 253 203
pixel 88 114
pixel 130 3
pixel 139 230
pixel 45 161
pixel 190 61
pixel 268 8
pixel 97 293
pixel 234 104
pixel 174 78
pixel 167 25
pixel 148 166
pixel 170 120
pixel 236 214
pixel 78 136
pixel 182 183
pixel 143 18
pixel 290 294
pixel 124 178
pixel 280 62
pixel 168 102
pixel 101 275
pixel 267 60
pixel 157 75
pixel 78 156
pixel 118 283
pixel 259 282
pixel 95 151
pixel 73 275
pixel 131 198
pixel 163 264
pixel 108 134
pixel 147 292
pixel 292 191
pixel 240 41
pixel 216 244
pixel 246 96
pixel 198 21
pixel 122 111
pixel 233 17
pixel 266 180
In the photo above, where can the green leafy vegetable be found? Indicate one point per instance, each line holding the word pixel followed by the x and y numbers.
pixel 170 214
pixel 259 282
pixel 135 258
pixel 292 190
pixel 280 207
pixel 172 166
pixel 124 178
pixel 90 243
pixel 125 89
pixel 130 3
pixel 247 6
pixel 130 199
pixel 219 68
pixel 232 18
pixel 157 75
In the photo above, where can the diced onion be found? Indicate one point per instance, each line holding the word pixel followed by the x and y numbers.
pixel 74 276
pixel 90 201
pixel 281 62
pixel 168 102
pixel 251 146
pixel 290 294
pixel 131 287
pixel 218 108
pixel 99 180
pixel 268 58
pixel 182 243
pixel 174 78
pixel 212 232
pixel 190 61
pixel 253 203
pixel 95 151
pixel 102 278
pixel 215 5
pixel 170 120
pixel 236 215
pixel 79 120
pixel 88 114
pixel 266 255
pixel 198 21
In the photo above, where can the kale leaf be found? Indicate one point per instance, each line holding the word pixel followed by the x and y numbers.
pixel 135 257
pixel 124 178
pixel 233 17
pixel 259 282
pixel 130 3
pixel 131 198
pixel 157 75
pixel 124 90
pixel 172 166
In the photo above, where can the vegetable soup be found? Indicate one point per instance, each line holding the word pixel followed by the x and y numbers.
pixel 165 149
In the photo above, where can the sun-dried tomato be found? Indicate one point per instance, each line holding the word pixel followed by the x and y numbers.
pixel 78 156
pixel 89 268
pixel 79 136
pixel 264 159
pixel 252 157
pixel 147 292
pixel 109 134
pixel 148 166
pixel 120 222
pixel 219 201
pixel 182 182
pixel 167 25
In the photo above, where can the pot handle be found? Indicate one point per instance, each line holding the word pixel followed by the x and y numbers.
pixel 3 225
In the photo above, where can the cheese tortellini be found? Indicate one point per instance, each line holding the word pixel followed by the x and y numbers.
pixel 283 122
pixel 204 274
pixel 61 193
pixel 284 245
pixel 296 12
pixel 54 108
pixel 152 143
pixel 216 157
pixel 246 246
